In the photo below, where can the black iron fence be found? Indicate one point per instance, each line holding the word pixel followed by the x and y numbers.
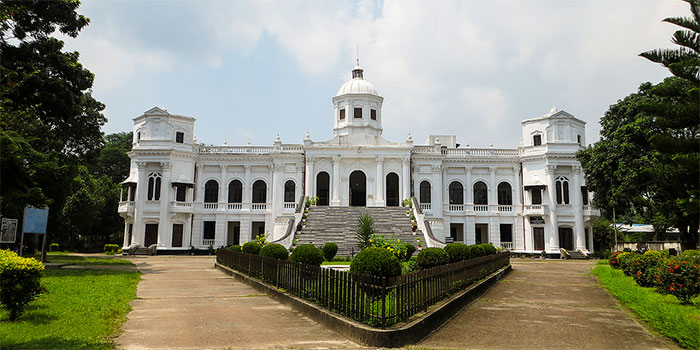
pixel 376 301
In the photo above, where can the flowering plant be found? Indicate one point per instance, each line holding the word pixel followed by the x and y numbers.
pixel 394 246
pixel 680 278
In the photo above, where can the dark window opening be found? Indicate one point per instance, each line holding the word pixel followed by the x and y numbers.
pixel 392 190
pixel 456 192
pixel 558 189
pixel 289 189
pixel 138 136
pixel 579 139
pixel 584 195
pixel 180 137
pixel 481 194
pixel 358 113
pixel 322 188
pixel 342 114
pixel 209 230
pixel 235 192
pixel 177 235
pixel 151 235
pixel 505 195
pixel 151 184
pixel 373 114
pixel 211 192
pixel 537 140
pixel 132 193
pixel 536 196
pixel 153 187
pixel 506 233
pixel 181 193
pixel 566 192
pixel 259 192
pixel 425 192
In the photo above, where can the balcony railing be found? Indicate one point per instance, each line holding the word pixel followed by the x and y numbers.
pixel 507 245
pixel 235 206
pixel 505 208
pixel 425 206
pixel 535 209
pixel 208 242
pixel 211 206
pixel 481 208
pixel 456 207
pixel 258 206
pixel 289 205
pixel 126 206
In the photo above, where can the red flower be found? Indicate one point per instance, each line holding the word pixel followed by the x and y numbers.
pixel 670 288
pixel 680 285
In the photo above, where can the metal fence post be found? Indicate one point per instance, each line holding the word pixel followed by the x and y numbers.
pixel 383 302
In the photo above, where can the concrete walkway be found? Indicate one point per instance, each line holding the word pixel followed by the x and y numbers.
pixel 184 303
pixel 546 305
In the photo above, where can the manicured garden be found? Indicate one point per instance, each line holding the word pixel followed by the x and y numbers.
pixel 662 290
pixel 77 308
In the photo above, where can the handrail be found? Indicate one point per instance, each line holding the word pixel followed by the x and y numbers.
pixel 300 204
pixel 429 233
pixel 287 234
pixel 415 203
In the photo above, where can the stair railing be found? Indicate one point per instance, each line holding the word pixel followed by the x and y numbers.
pixel 286 240
pixel 424 226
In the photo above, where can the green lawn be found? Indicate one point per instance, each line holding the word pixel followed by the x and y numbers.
pixel 82 309
pixel 662 312
pixel 66 258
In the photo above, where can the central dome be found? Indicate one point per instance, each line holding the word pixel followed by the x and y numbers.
pixel 357 85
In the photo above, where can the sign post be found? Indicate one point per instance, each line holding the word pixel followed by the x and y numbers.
pixel 8 232
pixel 35 220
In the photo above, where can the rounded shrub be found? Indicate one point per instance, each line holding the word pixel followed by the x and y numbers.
pixel 410 249
pixel 613 260
pixel 234 248
pixel 457 252
pixel 654 253
pixel 275 251
pixel 375 261
pixel 431 257
pixel 252 247
pixel 19 282
pixel 680 278
pixel 488 248
pixel 307 254
pixel 476 251
pixel 690 255
pixel 329 251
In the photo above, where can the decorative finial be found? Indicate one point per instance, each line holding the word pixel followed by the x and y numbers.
pixel 225 142
pixel 553 110
pixel 248 142
pixel 194 139
pixel 277 139
pixel 409 138
pixel 491 145
pixel 307 137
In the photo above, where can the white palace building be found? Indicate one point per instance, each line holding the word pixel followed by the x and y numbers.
pixel 181 194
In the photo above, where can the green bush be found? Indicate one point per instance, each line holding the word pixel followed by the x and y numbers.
pixel 330 249
pixel 431 257
pixel 54 247
pixel 392 245
pixel 365 230
pixel 680 278
pixel 378 262
pixel 234 248
pixel 614 261
pixel 274 250
pixel 307 254
pixel 252 247
pixel 489 249
pixel 476 251
pixel 409 266
pixel 643 268
pixel 628 262
pixel 457 252
pixel 19 282
pixel 690 255
pixel 410 249
pixel 111 248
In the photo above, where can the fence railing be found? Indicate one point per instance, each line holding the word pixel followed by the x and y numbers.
pixel 376 301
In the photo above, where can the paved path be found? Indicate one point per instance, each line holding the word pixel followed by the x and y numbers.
pixel 546 305
pixel 184 303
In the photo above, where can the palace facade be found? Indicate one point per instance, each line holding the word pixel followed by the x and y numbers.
pixel 183 194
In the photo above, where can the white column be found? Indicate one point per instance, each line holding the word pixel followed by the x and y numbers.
pixel 164 231
pixel 223 186
pixel 199 187
pixel 406 180
pixel 577 207
pixel 552 235
pixel 247 189
pixel 336 181
pixel 518 229
pixel 493 191
pixel 469 198
pixel 308 187
pixel 379 195
pixel 436 191
pixel 277 189
pixel 139 203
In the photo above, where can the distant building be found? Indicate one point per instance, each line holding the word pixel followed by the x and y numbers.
pixel 528 199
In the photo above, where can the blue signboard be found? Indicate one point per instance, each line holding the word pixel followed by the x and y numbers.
pixel 35 220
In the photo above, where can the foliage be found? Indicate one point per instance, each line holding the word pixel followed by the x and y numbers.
pixel 394 246
pixel 483 249
pixel 375 261
pixel 410 249
pixel 457 252
pixel 664 313
pixel 64 258
pixel 19 282
pixel 54 247
pixel 408 202
pixel 690 255
pixel 431 257
pixel 262 239
pixel 307 254
pixel 251 247
pixel 643 268
pixel 603 234
pixel 330 249
pixel 409 266
pixel 81 309
pixel 680 278
pixel 111 248
pixel 234 248
pixel 365 230
pixel 274 250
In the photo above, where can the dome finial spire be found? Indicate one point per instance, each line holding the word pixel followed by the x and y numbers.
pixel 357 71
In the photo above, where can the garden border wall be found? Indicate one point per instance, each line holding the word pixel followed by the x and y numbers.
pixel 405 333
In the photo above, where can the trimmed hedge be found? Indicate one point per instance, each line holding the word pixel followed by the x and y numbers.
pixel 234 248
pixel 431 257
pixel 330 249
pixel 410 249
pixel 377 262
pixel 457 252
pixel 111 248
pixel 19 282
pixel 274 250
pixel 252 247
pixel 307 254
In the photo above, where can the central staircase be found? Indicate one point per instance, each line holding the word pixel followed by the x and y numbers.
pixel 339 225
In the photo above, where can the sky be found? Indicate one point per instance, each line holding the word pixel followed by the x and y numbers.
pixel 249 70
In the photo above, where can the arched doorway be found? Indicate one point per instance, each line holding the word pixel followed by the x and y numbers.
pixel 392 190
pixel 322 188
pixel 358 189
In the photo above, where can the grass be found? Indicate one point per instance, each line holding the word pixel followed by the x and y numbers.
pixel 65 258
pixel 82 309
pixel 336 263
pixel 663 312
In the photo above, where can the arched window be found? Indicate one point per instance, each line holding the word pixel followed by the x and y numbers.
pixel 259 192
pixel 211 192
pixel 322 188
pixel 153 187
pixel 562 188
pixel 392 190
pixel 235 192
pixel 505 196
pixel 289 189
pixel 456 193
pixel 425 192
pixel 481 193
